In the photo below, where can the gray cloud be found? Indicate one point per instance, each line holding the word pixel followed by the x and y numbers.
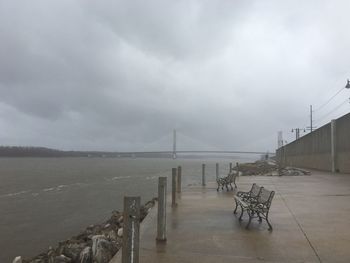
pixel 120 75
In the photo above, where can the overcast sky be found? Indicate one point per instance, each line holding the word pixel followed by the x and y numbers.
pixel 121 75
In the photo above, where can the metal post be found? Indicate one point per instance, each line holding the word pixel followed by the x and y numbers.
pixel 179 175
pixel 217 170
pixel 161 223
pixel 203 174
pixel 174 145
pixel 230 167
pixel 131 229
pixel 173 187
pixel 298 133
pixel 333 146
pixel 311 125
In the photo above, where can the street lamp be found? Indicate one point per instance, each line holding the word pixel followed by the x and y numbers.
pixel 348 84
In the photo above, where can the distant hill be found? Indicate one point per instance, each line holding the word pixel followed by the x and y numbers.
pixel 30 151
pixel 18 151
pixel 21 151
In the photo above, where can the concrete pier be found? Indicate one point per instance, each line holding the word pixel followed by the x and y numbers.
pixel 309 215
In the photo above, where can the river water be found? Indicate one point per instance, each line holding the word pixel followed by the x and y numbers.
pixel 46 200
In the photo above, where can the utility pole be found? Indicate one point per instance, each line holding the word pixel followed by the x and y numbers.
pixel 297 133
pixel 311 127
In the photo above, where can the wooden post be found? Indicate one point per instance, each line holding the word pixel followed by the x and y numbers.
pixel 131 230
pixel 173 187
pixel 217 170
pixel 203 174
pixel 161 222
pixel 179 175
pixel 230 167
pixel 237 165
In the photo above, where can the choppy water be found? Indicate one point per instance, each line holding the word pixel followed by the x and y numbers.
pixel 45 200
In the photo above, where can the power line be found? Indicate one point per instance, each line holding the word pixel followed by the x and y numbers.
pixel 334 109
pixel 340 115
pixel 329 100
pixel 343 113
pixel 312 121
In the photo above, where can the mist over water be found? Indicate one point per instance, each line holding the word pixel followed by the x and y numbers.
pixel 46 200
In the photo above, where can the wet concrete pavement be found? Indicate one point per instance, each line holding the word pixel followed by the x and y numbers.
pixel 310 216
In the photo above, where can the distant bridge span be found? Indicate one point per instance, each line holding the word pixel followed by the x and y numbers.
pixel 171 152
pixel 174 152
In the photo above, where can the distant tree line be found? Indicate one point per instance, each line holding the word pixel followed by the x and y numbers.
pixel 19 151
pixel 31 151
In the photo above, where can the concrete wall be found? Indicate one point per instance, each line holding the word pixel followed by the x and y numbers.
pixel 314 150
pixel 343 143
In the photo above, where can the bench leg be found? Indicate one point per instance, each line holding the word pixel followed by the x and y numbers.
pixel 270 227
pixel 234 182
pixel 251 214
pixel 235 211
pixel 267 220
pixel 260 218
pixel 242 210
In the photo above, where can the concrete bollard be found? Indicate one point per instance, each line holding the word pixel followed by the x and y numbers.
pixel 161 222
pixel 173 187
pixel 230 167
pixel 179 175
pixel 203 174
pixel 217 170
pixel 131 229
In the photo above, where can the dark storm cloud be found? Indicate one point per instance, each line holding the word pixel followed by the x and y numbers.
pixel 177 29
pixel 120 75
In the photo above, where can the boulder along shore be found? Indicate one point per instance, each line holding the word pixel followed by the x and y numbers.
pixel 97 243
pixel 268 168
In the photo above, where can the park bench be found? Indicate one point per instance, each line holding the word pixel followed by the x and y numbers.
pixel 227 181
pixel 256 202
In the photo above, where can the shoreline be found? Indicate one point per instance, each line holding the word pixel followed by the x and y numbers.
pixel 98 242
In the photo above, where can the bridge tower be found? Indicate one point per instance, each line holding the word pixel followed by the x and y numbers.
pixel 174 145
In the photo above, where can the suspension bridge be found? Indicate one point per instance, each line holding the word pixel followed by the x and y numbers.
pixel 174 152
